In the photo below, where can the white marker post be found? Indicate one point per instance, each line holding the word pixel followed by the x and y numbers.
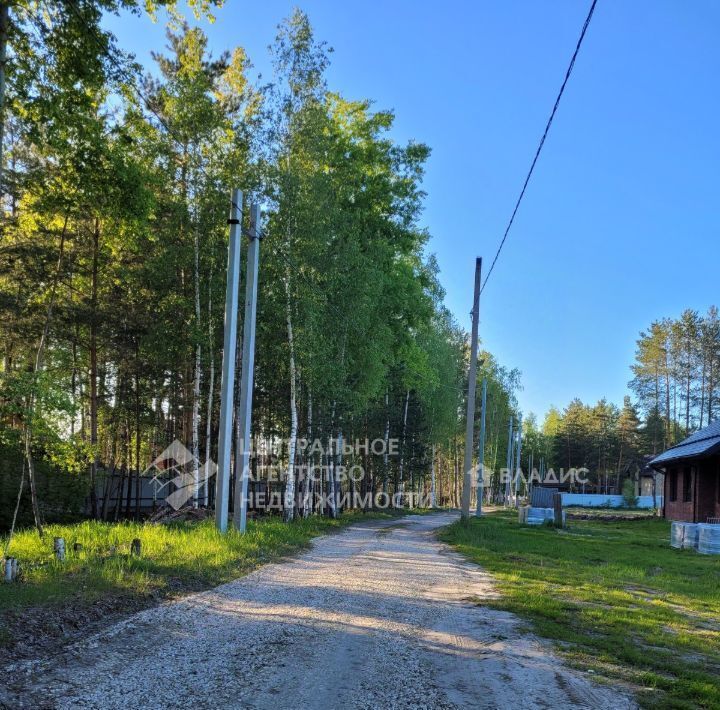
pixel 222 482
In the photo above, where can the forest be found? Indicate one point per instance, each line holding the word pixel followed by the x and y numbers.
pixel 675 384
pixel 116 186
pixel 115 193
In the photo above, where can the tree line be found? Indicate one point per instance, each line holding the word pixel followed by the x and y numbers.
pixel 115 197
pixel 677 373
pixel 675 387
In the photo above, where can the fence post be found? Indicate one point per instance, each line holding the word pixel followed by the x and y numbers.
pixel 557 506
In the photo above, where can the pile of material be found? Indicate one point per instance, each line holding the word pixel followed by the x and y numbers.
pixel 166 514
pixel 677 533
pixel 690 539
pixel 529 515
pixel 703 537
pixel 709 539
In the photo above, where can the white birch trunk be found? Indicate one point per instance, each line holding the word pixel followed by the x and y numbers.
pixel 330 460
pixel 211 387
pixel 289 507
pixel 196 384
pixel 208 431
pixel 307 493
pixel 386 471
pixel 338 465
pixel 401 482
pixel 432 479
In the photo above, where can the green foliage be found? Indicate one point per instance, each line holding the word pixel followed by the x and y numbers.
pixel 675 376
pixel 115 245
pixel 194 556
pixel 628 493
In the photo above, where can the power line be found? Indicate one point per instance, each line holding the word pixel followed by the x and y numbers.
pixel 542 141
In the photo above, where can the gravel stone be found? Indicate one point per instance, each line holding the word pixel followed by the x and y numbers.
pixel 381 615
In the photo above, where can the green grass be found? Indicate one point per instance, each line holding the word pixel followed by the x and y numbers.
pixel 630 513
pixel 614 596
pixel 175 558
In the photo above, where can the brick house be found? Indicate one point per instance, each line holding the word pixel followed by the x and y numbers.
pixel 692 476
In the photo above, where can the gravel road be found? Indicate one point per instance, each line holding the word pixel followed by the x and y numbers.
pixel 378 616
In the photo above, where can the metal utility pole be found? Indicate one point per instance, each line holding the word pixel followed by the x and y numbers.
pixel 518 464
pixel 222 482
pixel 508 462
pixel 481 452
pixel 531 477
pixel 244 412
pixel 470 415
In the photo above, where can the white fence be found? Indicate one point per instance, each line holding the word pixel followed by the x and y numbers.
pixel 597 500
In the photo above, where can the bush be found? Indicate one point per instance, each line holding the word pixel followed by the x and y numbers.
pixel 628 493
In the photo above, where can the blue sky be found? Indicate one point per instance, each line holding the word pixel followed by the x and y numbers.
pixel 621 222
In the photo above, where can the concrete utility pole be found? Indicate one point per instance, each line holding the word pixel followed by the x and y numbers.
pixel 508 465
pixel 247 377
pixel 470 415
pixel 518 465
pixel 222 482
pixel 481 452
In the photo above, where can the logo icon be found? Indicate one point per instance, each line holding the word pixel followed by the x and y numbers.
pixel 179 475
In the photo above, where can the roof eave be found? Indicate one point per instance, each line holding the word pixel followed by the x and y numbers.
pixel 715 448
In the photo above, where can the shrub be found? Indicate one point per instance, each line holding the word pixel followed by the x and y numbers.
pixel 628 492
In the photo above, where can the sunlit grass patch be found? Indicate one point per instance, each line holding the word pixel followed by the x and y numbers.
pixel 176 558
pixel 614 596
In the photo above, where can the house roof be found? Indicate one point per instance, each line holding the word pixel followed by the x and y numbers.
pixel 698 445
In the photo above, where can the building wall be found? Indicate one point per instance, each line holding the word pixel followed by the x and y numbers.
pixel 703 481
pixel 676 507
pixel 708 505
pixel 645 485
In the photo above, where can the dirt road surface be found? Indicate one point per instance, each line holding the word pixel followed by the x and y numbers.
pixel 378 616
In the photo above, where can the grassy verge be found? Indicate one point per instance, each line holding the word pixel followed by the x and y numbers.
pixel 614 596
pixel 616 513
pixel 175 559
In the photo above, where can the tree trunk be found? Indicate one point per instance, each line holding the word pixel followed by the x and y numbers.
pixel 386 465
pixel 400 488
pixel 432 478
pixel 120 490
pixel 289 503
pixel 138 484
pixel 94 372
pixel 32 479
pixel 668 436
pixel 4 26
pixel 211 387
pixel 32 397
pixel 711 385
pixel 702 389
pixel 456 492
pixel 309 473
pixel 128 458
pixel 336 472
pixel 196 380
pixel 73 386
